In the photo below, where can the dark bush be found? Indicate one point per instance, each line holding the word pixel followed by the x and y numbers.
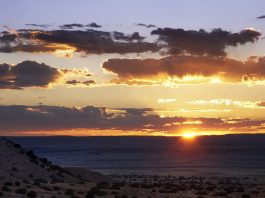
pixel 14 169
pixel 95 191
pixel 221 194
pixel 21 191
pixel 56 188
pixel 31 175
pixel 6 189
pixel 17 183
pixel 17 145
pixel 69 192
pixel 25 181
pixel 245 196
pixel 8 183
pixel 135 185
pixel 32 194
pixel 36 183
pixel 103 184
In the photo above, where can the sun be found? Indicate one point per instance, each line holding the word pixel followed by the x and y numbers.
pixel 189 135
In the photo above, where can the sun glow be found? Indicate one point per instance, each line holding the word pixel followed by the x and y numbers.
pixel 64 51
pixel 189 135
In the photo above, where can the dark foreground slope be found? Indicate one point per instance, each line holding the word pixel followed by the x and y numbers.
pixel 23 174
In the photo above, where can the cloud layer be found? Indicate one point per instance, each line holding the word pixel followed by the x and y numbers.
pixel 43 118
pixel 170 41
pixel 225 69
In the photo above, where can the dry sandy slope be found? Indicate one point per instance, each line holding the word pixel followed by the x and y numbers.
pixel 18 163
pixel 21 171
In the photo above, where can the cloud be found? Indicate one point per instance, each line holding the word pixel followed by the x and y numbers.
pixel 33 74
pixel 27 74
pixel 67 40
pixel 129 38
pixel 135 111
pixel 229 102
pixel 146 25
pixel 38 25
pixel 80 83
pixel 186 69
pixel 180 41
pixel 93 25
pixel 261 17
pixel 56 118
pixel 78 25
pixel 167 100
pixel 261 104
pixel 71 26
pixel 89 41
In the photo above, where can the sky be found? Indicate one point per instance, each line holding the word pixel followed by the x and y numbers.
pixel 115 67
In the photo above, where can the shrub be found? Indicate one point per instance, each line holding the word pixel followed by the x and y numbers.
pixel 25 181
pixel 56 188
pixel 14 169
pixel 95 191
pixel 8 183
pixel 32 194
pixel 17 145
pixel 245 196
pixel 103 184
pixel 69 192
pixel 36 183
pixel 6 189
pixel 21 191
pixel 31 175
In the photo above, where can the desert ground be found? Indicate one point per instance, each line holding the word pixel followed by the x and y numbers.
pixel 23 174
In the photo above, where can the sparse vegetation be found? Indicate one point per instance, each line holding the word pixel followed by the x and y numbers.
pixel 21 191
pixel 32 194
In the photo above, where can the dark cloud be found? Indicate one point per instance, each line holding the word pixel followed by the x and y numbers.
pixel 146 25
pixel 89 41
pixel 38 25
pixel 129 38
pixel 27 74
pixel 89 82
pixel 261 17
pixel 78 25
pixel 71 26
pixel 54 118
pixel 201 42
pixel 226 69
pixel 135 111
pixel 261 104
pixel 77 82
pixel 174 41
pixel 93 25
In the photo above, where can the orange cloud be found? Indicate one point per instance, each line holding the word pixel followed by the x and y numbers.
pixel 187 69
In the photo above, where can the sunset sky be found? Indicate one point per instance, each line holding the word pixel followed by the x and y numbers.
pixel 150 67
